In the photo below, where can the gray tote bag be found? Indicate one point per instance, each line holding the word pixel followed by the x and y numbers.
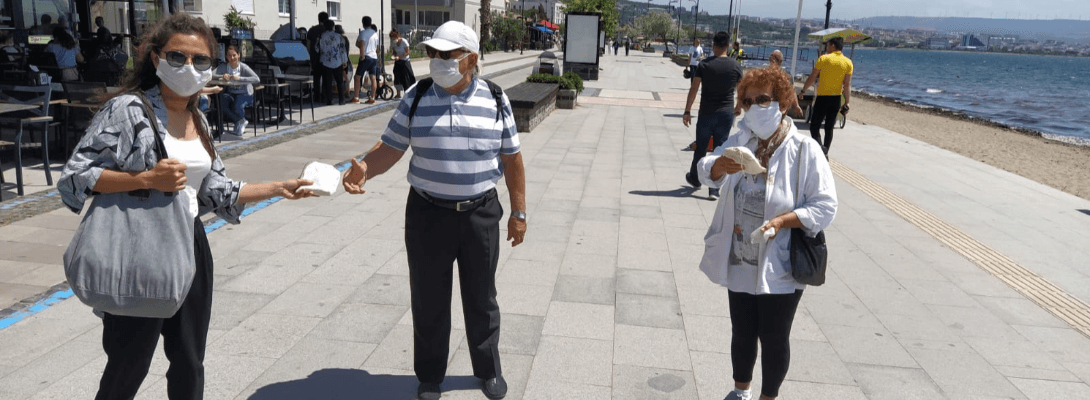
pixel 132 254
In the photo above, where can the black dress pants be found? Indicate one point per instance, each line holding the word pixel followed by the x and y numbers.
pixel 768 318
pixel 436 237
pixel 130 341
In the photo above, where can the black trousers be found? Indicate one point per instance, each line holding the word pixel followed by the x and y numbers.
pixel 130 341
pixel 330 77
pixel 767 318
pixel 825 110
pixel 436 237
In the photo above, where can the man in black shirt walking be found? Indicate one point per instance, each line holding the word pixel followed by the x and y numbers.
pixel 317 70
pixel 719 74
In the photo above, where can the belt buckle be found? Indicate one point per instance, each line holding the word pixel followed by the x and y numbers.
pixel 463 205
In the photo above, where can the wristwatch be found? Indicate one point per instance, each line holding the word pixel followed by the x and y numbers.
pixel 519 214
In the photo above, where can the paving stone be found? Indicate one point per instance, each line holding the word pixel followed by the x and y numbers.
pixel 524 299
pixel 633 382
pixel 974 321
pixel 651 347
pixel 651 283
pixel 308 300
pixel 881 382
pixel 367 323
pixel 581 289
pixel 867 346
pixel 708 333
pixel 562 360
pixel 231 308
pixel 520 334
pixel 1063 345
pixel 1019 311
pixel 48 369
pixel 1048 389
pixel 311 355
pixel 527 272
pixel 396 349
pixel 37 337
pixel 592 265
pixel 817 362
pixel 384 289
pixel 580 320
pixel 650 311
pixel 963 373
pixel 267 336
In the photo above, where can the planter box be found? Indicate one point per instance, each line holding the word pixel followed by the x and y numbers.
pixel 531 103
pixel 566 99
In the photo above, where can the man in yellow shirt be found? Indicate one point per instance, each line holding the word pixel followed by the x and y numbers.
pixel 833 72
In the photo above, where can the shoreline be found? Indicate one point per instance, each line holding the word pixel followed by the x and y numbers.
pixel 962 116
pixel 1023 152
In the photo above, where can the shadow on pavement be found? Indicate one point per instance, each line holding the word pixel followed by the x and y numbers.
pixel 354 384
pixel 683 191
pixel 1087 212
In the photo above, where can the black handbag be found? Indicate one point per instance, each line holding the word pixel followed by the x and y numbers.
pixel 687 73
pixel 808 254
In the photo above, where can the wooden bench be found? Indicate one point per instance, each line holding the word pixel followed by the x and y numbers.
pixel 531 103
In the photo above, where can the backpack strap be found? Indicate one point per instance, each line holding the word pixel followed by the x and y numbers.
pixel 422 87
pixel 497 93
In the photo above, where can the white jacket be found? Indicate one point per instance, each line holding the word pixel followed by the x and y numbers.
pixel 816 208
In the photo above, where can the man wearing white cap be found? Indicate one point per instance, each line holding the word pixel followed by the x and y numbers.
pixel 462 132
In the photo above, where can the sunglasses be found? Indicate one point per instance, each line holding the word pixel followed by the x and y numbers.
pixel 432 53
pixel 177 59
pixel 762 100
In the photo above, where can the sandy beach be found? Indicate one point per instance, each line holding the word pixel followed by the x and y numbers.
pixel 1063 166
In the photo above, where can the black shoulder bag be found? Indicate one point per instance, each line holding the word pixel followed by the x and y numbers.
pixel 808 254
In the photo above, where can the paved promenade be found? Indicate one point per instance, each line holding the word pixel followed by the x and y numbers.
pixel 946 280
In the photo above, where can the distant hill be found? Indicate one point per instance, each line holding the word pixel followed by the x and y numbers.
pixel 1070 31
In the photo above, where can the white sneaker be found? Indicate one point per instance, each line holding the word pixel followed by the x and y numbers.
pixel 240 126
pixel 738 394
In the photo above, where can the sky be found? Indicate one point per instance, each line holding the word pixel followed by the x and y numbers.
pixel 855 9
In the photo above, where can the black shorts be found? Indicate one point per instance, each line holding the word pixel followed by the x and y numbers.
pixel 368 65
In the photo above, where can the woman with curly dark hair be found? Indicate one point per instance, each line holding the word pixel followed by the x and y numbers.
pixel 67 51
pixel 789 186
pixel 118 154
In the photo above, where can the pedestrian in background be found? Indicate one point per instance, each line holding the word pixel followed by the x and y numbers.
pixel 334 58
pixel 464 139
pixel 833 73
pixel 403 70
pixel 317 71
pixel 367 42
pixel 716 78
pixel 796 191
pixel 174 62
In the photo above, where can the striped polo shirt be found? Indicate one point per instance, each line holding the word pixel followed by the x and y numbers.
pixel 456 140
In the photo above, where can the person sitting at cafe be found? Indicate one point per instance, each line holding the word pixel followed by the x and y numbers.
pixel 9 51
pixel 46 28
pixel 237 96
pixel 67 51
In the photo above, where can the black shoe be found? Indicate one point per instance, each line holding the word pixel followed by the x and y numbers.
pixel 495 388
pixel 692 181
pixel 429 391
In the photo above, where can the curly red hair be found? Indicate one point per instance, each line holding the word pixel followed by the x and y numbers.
pixel 783 90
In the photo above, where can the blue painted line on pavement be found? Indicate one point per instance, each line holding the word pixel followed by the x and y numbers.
pixel 38 307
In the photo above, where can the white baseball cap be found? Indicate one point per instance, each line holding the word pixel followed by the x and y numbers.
pixel 453 35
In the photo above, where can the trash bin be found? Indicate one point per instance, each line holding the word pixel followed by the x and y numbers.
pixel 547 63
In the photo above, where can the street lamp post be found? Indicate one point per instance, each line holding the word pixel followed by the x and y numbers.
pixel 828 8
pixel 523 22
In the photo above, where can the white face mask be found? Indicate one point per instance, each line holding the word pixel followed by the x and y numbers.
pixel 763 121
pixel 445 73
pixel 184 80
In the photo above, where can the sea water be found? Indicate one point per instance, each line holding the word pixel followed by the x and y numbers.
pixel 1047 94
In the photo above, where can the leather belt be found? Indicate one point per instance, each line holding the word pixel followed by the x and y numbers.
pixel 457 205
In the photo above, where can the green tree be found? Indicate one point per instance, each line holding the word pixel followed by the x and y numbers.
pixel 608 9
pixel 486 20
pixel 234 20
pixel 509 28
pixel 654 25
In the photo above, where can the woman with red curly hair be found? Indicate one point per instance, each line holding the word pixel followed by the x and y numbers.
pixel 745 249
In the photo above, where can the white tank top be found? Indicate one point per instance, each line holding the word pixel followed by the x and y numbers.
pixel 198 165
